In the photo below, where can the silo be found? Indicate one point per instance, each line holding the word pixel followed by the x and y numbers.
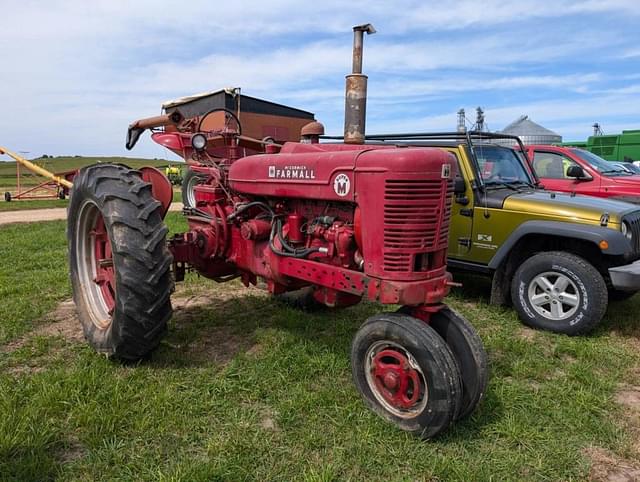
pixel 531 133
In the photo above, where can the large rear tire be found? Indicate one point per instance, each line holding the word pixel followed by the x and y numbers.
pixel 406 373
pixel 119 261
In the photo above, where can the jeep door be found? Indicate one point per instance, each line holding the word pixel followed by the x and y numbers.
pixel 461 227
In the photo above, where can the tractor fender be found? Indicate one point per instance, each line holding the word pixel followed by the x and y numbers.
pixel 161 188
pixel 617 243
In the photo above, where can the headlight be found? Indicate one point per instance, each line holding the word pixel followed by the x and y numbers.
pixel 626 230
pixel 199 142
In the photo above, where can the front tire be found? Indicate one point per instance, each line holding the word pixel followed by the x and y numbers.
pixel 119 261
pixel 406 373
pixel 560 292
pixel 468 350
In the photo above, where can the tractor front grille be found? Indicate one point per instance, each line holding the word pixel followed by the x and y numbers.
pixel 416 220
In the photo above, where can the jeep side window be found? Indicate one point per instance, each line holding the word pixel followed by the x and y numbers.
pixel 551 165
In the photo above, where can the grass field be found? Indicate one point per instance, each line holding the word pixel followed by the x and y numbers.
pixel 60 164
pixel 246 388
pixel 33 204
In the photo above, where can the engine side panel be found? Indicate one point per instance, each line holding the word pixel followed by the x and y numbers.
pixel 314 175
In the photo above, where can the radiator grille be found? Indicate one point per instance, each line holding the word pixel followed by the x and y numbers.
pixel 416 220
pixel 633 220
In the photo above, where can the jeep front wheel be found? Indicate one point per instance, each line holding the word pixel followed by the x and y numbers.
pixel 559 292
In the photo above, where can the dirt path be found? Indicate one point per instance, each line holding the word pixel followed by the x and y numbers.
pixel 53 214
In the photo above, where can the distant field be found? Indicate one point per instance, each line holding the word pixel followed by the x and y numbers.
pixel 59 164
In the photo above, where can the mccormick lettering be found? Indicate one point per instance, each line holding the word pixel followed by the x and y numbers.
pixel 291 172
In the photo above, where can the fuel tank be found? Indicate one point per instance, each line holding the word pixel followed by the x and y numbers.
pixel 332 172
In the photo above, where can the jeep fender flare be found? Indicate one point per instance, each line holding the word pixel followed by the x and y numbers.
pixel 617 243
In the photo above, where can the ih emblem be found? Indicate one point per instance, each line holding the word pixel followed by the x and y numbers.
pixel 342 185
pixel 446 171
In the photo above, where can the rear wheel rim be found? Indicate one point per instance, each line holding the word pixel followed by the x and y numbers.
pixel 395 379
pixel 554 295
pixel 95 265
pixel 191 195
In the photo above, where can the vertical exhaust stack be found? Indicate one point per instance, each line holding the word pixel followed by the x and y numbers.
pixel 355 108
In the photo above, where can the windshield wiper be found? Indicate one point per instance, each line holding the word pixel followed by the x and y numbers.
pixel 490 184
pixel 611 171
pixel 531 185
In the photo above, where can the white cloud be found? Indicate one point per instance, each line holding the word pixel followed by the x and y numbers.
pixel 78 72
pixel 569 118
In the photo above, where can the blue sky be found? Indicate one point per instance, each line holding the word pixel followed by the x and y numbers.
pixel 76 73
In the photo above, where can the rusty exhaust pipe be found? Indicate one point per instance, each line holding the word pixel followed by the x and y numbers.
pixel 355 108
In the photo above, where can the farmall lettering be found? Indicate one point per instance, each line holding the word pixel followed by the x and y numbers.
pixel 291 172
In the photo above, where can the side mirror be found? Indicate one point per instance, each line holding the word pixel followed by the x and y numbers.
pixel 577 172
pixel 459 186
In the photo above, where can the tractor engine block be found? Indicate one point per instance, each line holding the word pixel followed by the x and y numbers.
pixel 377 215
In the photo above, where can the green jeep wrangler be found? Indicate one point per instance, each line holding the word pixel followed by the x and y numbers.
pixel 559 258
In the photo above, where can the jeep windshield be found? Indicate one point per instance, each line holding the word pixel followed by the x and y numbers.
pixel 501 167
pixel 601 165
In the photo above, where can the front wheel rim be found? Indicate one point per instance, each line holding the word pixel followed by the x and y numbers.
pixel 96 271
pixel 396 379
pixel 554 296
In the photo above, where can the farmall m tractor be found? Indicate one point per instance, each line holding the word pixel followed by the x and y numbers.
pixel 351 221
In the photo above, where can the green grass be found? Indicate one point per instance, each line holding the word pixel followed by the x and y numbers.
pixel 246 388
pixel 33 204
pixel 61 164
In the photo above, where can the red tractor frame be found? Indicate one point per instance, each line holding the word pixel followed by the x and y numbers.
pixel 347 221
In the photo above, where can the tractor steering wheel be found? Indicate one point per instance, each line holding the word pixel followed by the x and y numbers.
pixel 228 117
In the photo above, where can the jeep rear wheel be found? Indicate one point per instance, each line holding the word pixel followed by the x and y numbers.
pixel 559 292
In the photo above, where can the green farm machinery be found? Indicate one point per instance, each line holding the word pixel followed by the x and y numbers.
pixel 613 147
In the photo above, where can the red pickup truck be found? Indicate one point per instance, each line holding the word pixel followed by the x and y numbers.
pixel 570 169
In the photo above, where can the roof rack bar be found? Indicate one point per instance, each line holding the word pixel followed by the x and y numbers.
pixel 433 135
pixel 468 136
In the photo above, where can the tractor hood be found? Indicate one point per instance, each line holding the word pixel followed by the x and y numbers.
pixel 332 171
pixel 574 207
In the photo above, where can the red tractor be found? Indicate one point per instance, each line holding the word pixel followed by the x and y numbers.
pixel 350 221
